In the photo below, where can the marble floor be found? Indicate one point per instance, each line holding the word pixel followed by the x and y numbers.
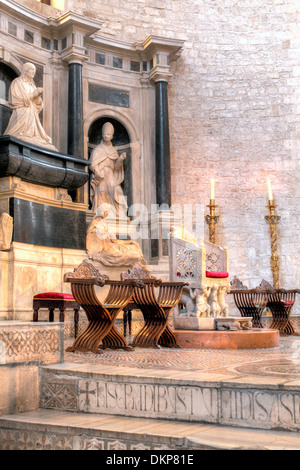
pixel 267 372
pixel 282 362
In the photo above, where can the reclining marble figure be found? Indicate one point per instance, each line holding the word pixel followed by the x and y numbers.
pixel 103 246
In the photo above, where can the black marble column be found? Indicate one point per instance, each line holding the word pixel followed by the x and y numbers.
pixel 162 149
pixel 75 111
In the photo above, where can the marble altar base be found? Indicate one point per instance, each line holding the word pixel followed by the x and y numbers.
pixel 24 347
pixel 26 270
pixel 193 323
pixel 243 339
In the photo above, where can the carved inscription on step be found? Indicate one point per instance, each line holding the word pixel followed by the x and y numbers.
pixel 260 408
pixel 148 400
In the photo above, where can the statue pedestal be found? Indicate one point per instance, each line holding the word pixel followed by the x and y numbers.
pixel 26 270
pixel 42 215
pixel 256 338
pixel 193 323
pixel 49 237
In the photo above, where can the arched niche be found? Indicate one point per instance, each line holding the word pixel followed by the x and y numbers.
pixel 7 75
pixel 121 141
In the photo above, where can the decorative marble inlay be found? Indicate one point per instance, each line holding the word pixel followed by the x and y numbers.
pixel 33 440
pixel 116 445
pixel 213 262
pixel 139 446
pixel 12 439
pixel 58 395
pixel 276 368
pixel 186 263
pixel 89 443
pixel 22 343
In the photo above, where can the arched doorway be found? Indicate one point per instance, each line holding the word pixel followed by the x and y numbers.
pixel 7 75
pixel 121 141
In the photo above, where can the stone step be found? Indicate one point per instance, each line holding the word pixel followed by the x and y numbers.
pixel 247 401
pixel 61 430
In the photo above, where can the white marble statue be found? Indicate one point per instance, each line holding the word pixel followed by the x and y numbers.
pixel 202 307
pixel 195 301
pixel 188 302
pixel 107 174
pixel 224 307
pixel 103 246
pixel 26 102
pixel 6 230
pixel 212 300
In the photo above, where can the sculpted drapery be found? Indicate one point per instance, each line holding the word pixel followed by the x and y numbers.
pixel 107 174
pixel 26 102
pixel 103 246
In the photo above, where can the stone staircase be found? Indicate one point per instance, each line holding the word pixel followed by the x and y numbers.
pixel 94 406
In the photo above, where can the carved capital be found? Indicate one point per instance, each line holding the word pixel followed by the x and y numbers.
pixel 74 54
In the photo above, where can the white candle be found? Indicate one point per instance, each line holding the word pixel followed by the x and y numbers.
pixel 212 189
pixel 270 195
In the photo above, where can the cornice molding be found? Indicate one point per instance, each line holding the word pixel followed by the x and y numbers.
pixel 153 44
pixel 64 21
pixel 169 49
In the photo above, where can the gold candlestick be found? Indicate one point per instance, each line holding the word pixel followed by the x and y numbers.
pixel 211 220
pixel 273 220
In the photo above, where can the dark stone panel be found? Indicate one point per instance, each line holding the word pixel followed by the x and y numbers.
pixel 40 165
pixel 162 146
pixel 5 113
pixel 103 95
pixel 45 225
pixel 75 111
pixel 165 247
pixel 7 75
pixel 154 248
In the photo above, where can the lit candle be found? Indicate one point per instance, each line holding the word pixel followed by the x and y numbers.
pixel 270 195
pixel 212 189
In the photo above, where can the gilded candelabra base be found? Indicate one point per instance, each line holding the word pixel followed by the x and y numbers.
pixel 272 219
pixel 212 219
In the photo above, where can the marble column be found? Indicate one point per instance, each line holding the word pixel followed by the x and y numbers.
pixel 162 146
pixel 75 111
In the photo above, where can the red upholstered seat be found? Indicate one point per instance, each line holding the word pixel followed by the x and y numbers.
pixel 56 300
pixel 216 274
pixel 287 302
pixel 54 295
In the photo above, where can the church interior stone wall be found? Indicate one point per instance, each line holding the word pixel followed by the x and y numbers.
pixel 234 115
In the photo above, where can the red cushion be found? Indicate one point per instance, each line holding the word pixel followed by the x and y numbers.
pixel 287 302
pixel 216 274
pixel 53 296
